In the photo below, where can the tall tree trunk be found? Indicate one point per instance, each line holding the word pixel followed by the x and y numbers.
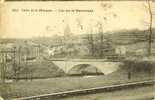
pixel 91 43
pixel 101 45
pixel 150 28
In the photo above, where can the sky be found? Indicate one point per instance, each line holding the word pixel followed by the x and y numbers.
pixel 19 20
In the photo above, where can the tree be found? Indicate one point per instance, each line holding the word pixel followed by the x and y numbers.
pixel 101 39
pixel 16 64
pixel 149 38
pixel 150 28
pixel 3 67
pixel 91 44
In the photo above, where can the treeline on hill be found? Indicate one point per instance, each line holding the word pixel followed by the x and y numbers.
pixel 131 36
pixel 96 45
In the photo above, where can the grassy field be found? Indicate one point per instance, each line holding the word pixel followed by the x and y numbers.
pixel 139 71
pixel 44 86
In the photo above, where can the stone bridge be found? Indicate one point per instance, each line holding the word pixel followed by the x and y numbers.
pixel 102 65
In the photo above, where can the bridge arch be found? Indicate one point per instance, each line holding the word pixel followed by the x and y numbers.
pixel 104 67
pixel 84 69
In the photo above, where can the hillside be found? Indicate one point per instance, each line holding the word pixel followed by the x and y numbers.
pixel 131 36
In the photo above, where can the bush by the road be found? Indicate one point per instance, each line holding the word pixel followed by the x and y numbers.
pixel 137 66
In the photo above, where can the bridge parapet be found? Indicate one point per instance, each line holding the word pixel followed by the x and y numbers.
pixel 80 60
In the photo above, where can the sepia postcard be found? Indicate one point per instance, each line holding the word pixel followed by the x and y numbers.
pixel 77 50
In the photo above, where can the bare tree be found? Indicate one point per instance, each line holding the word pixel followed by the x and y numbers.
pixel 3 66
pixel 91 43
pixel 14 68
pixel 16 64
pixel 101 39
pixel 149 38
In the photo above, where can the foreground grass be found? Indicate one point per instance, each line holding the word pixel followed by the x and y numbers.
pixel 136 93
pixel 44 86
